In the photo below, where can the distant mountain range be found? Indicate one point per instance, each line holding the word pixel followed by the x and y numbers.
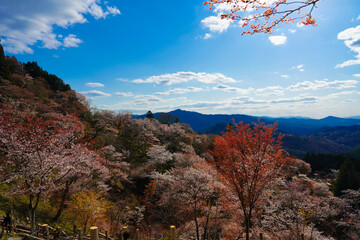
pixel 216 123
pixel 326 135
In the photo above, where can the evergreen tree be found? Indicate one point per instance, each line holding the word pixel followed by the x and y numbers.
pixel 56 83
pixel 149 114
pixel 166 118
pixel 4 67
pixel 348 178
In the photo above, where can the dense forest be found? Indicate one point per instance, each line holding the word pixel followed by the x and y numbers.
pixel 66 164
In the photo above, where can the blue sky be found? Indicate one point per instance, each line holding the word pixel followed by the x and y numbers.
pixel 164 55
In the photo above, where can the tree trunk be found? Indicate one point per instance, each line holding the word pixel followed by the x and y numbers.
pixel 247 229
pixel 62 203
pixel 85 226
pixel 247 219
pixel 32 214
pixel 207 222
pixel 33 203
pixel 196 222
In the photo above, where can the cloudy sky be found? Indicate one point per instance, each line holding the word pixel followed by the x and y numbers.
pixel 164 55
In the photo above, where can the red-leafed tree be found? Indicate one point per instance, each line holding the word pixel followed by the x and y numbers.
pixel 40 154
pixel 248 160
pixel 261 16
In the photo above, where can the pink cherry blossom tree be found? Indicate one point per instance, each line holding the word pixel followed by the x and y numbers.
pixel 40 153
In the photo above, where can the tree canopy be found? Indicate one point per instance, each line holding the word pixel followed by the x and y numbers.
pixel 247 161
pixel 55 82
pixel 43 154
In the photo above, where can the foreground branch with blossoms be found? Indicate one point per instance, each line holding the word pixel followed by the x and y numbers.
pixel 261 16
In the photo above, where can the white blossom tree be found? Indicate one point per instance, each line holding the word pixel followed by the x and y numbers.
pixel 298 207
pixel 183 194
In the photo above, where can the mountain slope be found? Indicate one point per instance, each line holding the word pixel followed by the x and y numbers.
pixel 345 135
pixel 26 85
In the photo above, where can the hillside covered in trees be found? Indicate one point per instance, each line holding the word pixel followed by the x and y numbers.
pixel 28 85
pixel 65 164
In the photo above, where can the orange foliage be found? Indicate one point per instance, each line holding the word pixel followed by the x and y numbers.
pixel 248 161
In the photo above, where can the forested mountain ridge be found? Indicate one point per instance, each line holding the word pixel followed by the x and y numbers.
pixel 301 135
pixel 28 85
pixel 340 139
pixel 294 125
pixel 346 135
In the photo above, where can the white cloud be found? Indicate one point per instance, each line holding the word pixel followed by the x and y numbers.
pixel 292 30
pixel 241 101
pixel 270 91
pixel 15 46
pixel 222 7
pixel 72 41
pixel 307 85
pixel 227 88
pixel 246 100
pixel 278 40
pixel 36 22
pixel 358 18
pixel 124 94
pixel 179 91
pixel 284 76
pixel 340 94
pixel 90 84
pixel 207 36
pixel 181 77
pixel 299 67
pixel 96 11
pixel 50 41
pixel 95 94
pixel 298 99
pixel 113 10
pixel 300 24
pixel 216 24
pixel 202 104
pixel 147 100
pixel 356 75
pixel 351 37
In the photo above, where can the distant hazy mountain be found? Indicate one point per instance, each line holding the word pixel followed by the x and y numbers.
pixel 216 123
